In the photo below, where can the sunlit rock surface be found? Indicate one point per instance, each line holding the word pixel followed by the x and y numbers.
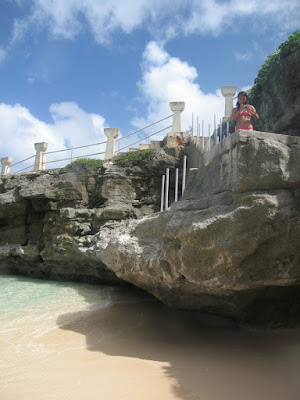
pixel 47 218
pixel 232 244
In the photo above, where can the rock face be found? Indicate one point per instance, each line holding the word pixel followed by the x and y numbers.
pixel 47 218
pixel 278 99
pixel 232 244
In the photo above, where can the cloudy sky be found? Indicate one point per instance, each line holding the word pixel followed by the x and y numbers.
pixel 69 69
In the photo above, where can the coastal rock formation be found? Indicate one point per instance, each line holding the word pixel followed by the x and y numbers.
pixel 276 94
pixel 49 216
pixel 232 245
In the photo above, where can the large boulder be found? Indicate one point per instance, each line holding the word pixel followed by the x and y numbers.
pixel 231 245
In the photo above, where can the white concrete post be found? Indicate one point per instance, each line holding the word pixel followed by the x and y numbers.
pixel 6 161
pixel 112 134
pixel 184 174
pixel 39 163
pixel 177 107
pixel 162 193
pixel 208 139
pixel 221 129
pixel 228 92
pixel 176 184
pixel 167 188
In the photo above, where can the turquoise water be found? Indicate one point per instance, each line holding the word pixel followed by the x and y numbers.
pixel 35 303
pixel 31 309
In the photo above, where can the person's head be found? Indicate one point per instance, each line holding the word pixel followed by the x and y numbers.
pixel 242 99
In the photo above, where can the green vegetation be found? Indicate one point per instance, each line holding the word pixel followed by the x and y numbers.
pixel 134 157
pixel 91 162
pixel 284 49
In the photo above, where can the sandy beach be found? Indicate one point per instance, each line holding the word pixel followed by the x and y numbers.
pixel 136 350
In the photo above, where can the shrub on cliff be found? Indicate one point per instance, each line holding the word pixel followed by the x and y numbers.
pixel 134 157
pixel 90 162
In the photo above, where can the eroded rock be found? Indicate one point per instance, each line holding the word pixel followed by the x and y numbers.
pixel 232 245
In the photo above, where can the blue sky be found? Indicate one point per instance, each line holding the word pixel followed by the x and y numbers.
pixel 70 68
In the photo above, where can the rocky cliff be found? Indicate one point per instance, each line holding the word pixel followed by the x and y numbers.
pixel 230 246
pixel 276 92
pixel 47 218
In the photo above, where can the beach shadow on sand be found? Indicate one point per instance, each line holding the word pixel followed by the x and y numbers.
pixel 207 357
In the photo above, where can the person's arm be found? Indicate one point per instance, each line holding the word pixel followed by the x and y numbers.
pixel 253 112
pixel 233 114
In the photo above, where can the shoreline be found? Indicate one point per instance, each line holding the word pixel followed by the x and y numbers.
pixel 142 350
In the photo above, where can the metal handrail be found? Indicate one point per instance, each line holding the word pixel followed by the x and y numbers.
pixel 75 148
pixel 95 144
pixel 23 169
pixel 145 127
pixel 19 162
pixel 74 158
pixel 145 137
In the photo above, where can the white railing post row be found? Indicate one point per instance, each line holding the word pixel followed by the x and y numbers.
pixel 167 188
pixel 177 107
pixel 176 184
pixel 228 92
pixel 39 163
pixel 183 174
pixel 162 193
pixel 111 134
pixel 6 161
pixel 202 134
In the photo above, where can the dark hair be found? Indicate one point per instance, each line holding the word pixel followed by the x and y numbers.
pixel 243 94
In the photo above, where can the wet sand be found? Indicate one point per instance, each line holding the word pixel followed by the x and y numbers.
pixel 135 350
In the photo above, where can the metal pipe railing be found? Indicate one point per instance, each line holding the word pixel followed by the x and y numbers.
pixel 74 158
pixel 19 162
pixel 145 127
pixel 94 144
pixel 140 140
pixel 75 148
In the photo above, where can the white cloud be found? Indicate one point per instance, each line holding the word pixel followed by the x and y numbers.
pixel 71 126
pixel 244 57
pixel 168 18
pixel 175 80
pixel 155 54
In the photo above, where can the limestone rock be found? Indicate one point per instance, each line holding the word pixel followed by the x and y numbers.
pixel 278 99
pixel 232 245
pixel 48 217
